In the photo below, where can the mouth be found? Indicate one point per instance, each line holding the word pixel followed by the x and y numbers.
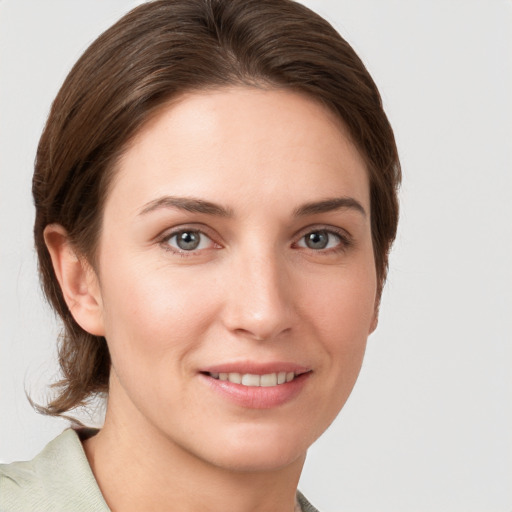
pixel 255 380
pixel 257 386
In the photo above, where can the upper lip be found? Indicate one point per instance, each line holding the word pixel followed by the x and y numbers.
pixel 256 368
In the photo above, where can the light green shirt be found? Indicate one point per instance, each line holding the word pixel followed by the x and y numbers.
pixel 60 479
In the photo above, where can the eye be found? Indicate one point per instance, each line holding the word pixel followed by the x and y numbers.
pixel 320 239
pixel 189 240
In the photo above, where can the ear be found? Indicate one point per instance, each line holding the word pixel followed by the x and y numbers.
pixel 78 281
pixel 375 318
pixel 375 321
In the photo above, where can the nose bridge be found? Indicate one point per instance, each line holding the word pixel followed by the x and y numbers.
pixel 259 302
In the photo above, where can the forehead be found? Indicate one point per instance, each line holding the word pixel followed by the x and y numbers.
pixel 238 142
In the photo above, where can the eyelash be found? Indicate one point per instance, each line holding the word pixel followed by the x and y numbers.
pixel 345 241
pixel 164 241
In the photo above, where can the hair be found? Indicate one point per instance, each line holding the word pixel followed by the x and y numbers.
pixel 156 52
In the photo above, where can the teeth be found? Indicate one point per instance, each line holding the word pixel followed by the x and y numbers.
pixel 269 379
pixel 249 379
pixel 236 378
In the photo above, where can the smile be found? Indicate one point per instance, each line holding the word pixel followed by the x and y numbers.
pixel 254 380
pixel 257 386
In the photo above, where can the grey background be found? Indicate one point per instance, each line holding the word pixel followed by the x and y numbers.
pixel 428 427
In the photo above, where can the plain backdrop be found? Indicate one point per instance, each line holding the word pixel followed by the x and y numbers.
pixel 429 424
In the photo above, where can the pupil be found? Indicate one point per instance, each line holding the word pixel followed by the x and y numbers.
pixel 317 240
pixel 188 240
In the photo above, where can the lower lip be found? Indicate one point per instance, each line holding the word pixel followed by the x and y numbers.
pixel 258 397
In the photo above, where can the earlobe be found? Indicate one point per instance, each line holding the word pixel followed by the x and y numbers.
pixel 77 280
pixel 375 322
pixel 375 319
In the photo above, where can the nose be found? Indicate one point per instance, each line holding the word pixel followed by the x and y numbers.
pixel 259 302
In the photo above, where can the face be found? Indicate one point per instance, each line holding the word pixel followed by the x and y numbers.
pixel 236 276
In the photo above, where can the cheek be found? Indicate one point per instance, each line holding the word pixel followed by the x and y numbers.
pixel 152 313
pixel 342 310
pixel 345 313
pixel 342 303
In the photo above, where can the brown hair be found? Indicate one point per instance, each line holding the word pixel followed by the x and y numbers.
pixel 155 52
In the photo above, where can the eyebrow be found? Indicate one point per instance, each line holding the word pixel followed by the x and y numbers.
pixel 189 204
pixel 194 205
pixel 328 205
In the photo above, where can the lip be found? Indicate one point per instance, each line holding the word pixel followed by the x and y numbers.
pixel 257 397
pixel 256 368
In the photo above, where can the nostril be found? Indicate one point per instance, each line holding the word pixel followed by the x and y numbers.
pixel 261 335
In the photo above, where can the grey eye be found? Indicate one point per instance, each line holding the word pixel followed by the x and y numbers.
pixel 189 240
pixel 317 240
pixel 320 239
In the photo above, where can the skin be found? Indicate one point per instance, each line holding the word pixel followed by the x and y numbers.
pixel 252 292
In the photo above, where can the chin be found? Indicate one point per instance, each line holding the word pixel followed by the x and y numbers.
pixel 258 448
pixel 250 460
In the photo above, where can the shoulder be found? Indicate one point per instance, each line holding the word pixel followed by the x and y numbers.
pixel 57 479
pixel 304 504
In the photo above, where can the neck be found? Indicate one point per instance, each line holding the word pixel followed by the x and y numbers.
pixel 139 468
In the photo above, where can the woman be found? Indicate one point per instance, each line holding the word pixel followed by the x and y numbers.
pixel 215 197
